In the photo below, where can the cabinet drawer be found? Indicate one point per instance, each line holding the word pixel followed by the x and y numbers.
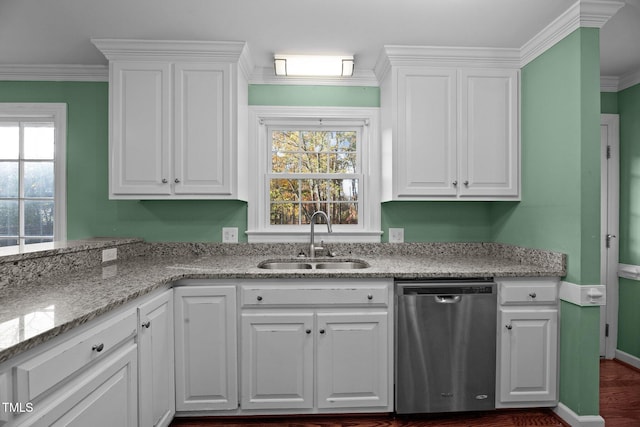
pixel 40 373
pixel 528 292
pixel 373 295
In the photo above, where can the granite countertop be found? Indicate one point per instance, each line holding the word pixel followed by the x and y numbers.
pixel 64 301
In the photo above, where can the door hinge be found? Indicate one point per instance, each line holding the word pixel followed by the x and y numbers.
pixel 608 151
pixel 606 330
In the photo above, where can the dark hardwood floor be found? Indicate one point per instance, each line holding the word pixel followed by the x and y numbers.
pixel 619 406
pixel 619 394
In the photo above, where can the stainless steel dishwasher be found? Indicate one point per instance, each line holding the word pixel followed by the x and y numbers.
pixel 445 345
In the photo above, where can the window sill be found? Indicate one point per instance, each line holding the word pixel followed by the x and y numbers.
pixel 256 236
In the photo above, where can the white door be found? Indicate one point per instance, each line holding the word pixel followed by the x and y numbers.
pixel 277 360
pixel 156 385
pixel 425 154
pixel 139 159
pixel 488 133
pixel 202 129
pixel 529 348
pixel 352 360
pixel 609 202
pixel 205 342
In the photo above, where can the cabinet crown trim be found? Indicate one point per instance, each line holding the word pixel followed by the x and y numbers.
pixel 176 50
pixel 439 56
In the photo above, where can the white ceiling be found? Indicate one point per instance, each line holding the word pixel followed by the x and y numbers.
pixel 34 32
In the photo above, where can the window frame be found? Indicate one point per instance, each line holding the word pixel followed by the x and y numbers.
pixel 56 113
pixel 264 118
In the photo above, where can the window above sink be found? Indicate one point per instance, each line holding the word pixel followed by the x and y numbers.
pixel 306 159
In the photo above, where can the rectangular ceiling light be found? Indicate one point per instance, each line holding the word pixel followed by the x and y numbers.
pixel 313 65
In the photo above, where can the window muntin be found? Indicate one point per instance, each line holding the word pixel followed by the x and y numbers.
pixel 27 181
pixel 314 168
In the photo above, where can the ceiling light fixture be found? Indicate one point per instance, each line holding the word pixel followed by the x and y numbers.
pixel 313 65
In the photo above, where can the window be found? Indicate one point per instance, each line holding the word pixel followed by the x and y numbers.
pixel 311 159
pixel 32 178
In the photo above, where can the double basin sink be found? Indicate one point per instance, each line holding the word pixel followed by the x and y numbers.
pixel 313 264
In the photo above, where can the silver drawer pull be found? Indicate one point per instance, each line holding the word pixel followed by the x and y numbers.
pixel 146 324
pixel 509 327
pixel 532 294
pixel 369 297
pixel 259 298
pixel 98 347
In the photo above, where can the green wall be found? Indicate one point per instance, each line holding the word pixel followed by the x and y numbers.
pixel 609 103
pixel 91 213
pixel 560 208
pixel 629 290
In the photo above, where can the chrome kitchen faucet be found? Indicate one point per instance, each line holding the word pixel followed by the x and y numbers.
pixel 312 246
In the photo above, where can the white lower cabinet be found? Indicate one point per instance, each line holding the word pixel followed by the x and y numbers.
pixel 156 384
pixel 352 360
pixel 322 346
pixel 205 348
pixel 277 360
pixel 527 343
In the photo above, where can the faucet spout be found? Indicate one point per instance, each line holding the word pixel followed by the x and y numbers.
pixel 312 247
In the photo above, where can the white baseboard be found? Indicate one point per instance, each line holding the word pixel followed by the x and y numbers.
pixel 628 358
pixel 575 420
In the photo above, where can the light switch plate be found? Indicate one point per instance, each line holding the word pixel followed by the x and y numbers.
pixel 229 234
pixel 109 255
pixel 396 235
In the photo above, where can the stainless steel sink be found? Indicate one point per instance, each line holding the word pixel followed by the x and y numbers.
pixel 318 265
pixel 285 265
pixel 341 265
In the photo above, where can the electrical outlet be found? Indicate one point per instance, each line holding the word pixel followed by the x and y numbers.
pixel 396 235
pixel 229 234
pixel 109 255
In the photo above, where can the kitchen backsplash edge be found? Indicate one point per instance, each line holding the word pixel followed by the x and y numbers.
pixel 77 255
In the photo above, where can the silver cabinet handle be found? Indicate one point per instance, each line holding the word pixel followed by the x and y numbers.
pixel 369 297
pixel 177 181
pixel 466 183
pixel 455 183
pixel 532 295
pixel 98 347
pixel 322 331
pixel 308 331
pixel 259 298
pixel 164 180
pixel 509 327
pixel 146 324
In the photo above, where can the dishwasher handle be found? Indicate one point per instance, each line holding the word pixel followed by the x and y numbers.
pixel 447 299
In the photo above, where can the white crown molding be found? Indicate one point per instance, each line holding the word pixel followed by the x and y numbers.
pixel 628 80
pixel 168 50
pixel 266 75
pixel 79 73
pixel 583 13
pixel 439 56
pixel 609 83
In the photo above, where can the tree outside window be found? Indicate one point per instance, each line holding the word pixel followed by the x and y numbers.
pixel 314 170
pixel 27 184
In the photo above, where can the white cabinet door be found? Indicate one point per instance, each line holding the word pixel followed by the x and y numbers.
pixel 105 396
pixel 426 143
pixel 205 342
pixel 140 128
pixel 352 360
pixel 156 385
pixel 528 356
pixel 203 163
pixel 277 360
pixel 488 136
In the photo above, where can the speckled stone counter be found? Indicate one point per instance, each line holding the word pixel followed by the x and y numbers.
pixel 68 297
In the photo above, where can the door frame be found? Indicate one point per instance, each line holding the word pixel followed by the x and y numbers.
pixel 609 224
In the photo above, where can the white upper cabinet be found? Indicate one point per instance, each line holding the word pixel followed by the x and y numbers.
pixel 178 118
pixel 450 125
